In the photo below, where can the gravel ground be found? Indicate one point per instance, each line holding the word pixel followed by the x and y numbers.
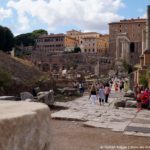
pixel 71 135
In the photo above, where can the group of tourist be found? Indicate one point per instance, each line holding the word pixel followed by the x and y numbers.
pixel 99 92
pixel 119 84
pixel 143 97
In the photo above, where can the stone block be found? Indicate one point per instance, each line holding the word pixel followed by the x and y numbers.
pixel 26 95
pixel 131 104
pixel 7 97
pixel 120 103
pixel 129 94
pixel 24 126
pixel 46 97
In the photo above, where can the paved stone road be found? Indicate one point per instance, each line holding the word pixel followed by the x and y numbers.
pixel 126 120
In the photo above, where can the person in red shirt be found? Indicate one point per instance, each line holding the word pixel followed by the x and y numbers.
pixel 145 98
pixel 116 86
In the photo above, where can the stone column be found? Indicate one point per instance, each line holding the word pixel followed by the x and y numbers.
pixel 148 29
pixel 127 52
pixel 147 50
pixel 143 40
pixel 117 48
pixel 122 50
pixel 123 55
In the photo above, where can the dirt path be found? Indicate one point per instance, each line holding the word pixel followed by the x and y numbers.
pixel 71 135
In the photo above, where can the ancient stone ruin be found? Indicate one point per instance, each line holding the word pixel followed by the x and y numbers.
pixel 24 126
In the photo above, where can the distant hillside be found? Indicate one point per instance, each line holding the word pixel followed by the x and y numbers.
pixel 18 68
pixel 17 75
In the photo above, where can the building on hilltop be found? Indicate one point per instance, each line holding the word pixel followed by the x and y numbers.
pixel 55 43
pixel 103 45
pixel 90 42
pixel 89 45
pixel 125 41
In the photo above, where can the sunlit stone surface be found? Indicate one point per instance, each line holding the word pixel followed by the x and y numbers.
pixel 24 126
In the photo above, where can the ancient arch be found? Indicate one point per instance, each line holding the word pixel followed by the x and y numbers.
pixel 123 47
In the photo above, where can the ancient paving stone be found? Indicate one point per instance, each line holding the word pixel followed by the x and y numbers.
pixel 137 134
pixel 125 120
pixel 137 129
pixel 69 115
pixel 96 124
pixel 118 126
pixel 143 121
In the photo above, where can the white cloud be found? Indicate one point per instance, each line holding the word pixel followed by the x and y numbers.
pixel 5 13
pixel 91 15
pixel 144 15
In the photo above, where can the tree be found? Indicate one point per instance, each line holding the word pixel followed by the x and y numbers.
pixel 2 38
pixel 28 39
pixel 9 39
pixel 37 33
pixel 6 39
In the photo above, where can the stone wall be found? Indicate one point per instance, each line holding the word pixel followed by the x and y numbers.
pixel 80 62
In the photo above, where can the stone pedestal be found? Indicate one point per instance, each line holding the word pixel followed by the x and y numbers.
pixel 24 126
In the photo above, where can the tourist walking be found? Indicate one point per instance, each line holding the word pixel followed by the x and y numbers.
pixel 81 88
pixel 93 94
pixel 101 94
pixel 121 85
pixel 116 86
pixel 107 92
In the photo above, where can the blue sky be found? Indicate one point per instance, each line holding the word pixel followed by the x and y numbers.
pixel 134 8
pixel 58 16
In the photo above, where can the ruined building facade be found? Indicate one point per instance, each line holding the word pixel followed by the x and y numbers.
pixel 125 39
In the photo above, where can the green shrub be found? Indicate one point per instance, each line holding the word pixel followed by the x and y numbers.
pixel 144 80
pixel 5 78
pixel 127 67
